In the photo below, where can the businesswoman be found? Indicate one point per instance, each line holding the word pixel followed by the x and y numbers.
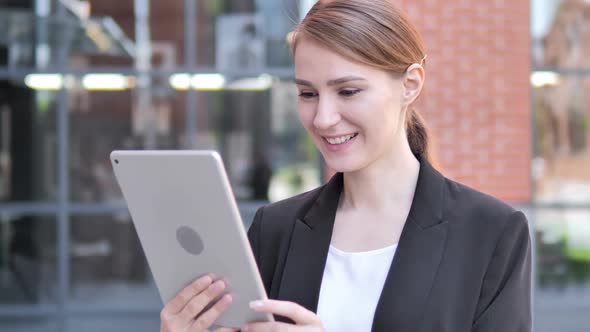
pixel 389 243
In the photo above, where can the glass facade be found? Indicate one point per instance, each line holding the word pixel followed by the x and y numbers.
pixel 29 260
pixel 561 164
pixel 79 79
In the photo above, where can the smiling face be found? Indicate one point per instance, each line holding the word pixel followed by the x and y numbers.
pixel 354 112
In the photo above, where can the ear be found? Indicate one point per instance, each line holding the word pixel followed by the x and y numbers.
pixel 413 81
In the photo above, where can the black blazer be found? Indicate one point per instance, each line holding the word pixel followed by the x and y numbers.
pixel 463 261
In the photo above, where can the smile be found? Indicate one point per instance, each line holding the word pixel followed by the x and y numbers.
pixel 341 139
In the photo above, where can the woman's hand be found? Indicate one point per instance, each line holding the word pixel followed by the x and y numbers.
pixel 184 313
pixel 304 319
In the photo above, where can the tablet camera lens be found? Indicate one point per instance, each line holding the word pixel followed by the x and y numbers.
pixel 116 161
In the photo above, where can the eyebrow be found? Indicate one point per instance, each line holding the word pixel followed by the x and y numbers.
pixel 331 82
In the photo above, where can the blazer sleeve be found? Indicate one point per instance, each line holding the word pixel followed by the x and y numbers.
pixel 505 300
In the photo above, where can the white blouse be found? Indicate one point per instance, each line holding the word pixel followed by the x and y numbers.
pixel 351 287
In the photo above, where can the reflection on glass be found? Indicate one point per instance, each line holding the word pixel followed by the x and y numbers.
pixel 107 263
pixel 563 248
pixel 239 31
pixel 562 269
pixel 29 324
pixel 144 322
pixel 266 152
pixel 27 143
pixel 562 142
pixel 28 263
pixel 560 31
pixel 102 121
pixel 297 164
pixel 561 105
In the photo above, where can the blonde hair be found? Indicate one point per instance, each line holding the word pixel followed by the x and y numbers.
pixel 371 32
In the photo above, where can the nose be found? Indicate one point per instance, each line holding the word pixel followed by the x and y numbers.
pixel 326 115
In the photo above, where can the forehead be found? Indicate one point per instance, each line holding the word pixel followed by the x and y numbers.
pixel 313 61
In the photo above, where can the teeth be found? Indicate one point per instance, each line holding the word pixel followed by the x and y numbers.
pixel 340 140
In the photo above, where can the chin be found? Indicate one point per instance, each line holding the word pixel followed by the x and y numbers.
pixel 343 165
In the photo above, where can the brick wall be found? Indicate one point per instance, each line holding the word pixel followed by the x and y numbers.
pixel 477 91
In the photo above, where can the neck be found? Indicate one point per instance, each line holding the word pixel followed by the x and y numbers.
pixel 388 183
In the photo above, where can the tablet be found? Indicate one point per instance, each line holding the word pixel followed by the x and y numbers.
pixel 188 224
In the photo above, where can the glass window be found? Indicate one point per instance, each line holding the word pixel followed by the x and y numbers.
pixel 103 120
pixel 28 260
pixel 560 30
pixel 562 140
pixel 562 269
pixel 561 103
pixel 561 163
pixel 131 322
pixel 29 324
pixel 129 82
pixel 28 140
pixel 228 35
pixel 251 121
pixel 108 266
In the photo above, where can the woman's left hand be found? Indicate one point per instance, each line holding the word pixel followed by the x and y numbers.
pixel 304 319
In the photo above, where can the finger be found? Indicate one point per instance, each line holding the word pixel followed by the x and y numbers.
pixel 294 311
pixel 270 327
pixel 210 316
pixel 175 305
pixel 199 302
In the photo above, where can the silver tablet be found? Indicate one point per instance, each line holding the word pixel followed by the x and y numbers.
pixel 188 223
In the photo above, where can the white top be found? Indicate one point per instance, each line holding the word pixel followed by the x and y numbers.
pixel 351 288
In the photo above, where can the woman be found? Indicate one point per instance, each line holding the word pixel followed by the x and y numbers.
pixel 388 244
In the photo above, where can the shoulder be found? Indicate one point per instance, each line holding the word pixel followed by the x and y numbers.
pixel 478 213
pixel 280 215
pixel 466 200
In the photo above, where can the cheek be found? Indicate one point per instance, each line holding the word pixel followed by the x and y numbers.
pixel 306 115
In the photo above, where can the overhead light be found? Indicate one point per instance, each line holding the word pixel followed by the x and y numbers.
pixel 260 83
pixel 180 81
pixel 208 81
pixel 106 82
pixel 44 81
pixel 544 78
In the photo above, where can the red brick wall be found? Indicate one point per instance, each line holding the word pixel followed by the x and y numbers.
pixel 477 91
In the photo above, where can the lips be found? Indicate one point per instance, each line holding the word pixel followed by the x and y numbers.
pixel 340 139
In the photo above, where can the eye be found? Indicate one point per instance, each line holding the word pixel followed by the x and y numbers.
pixel 348 92
pixel 307 94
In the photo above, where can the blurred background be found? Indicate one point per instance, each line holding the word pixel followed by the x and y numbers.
pixel 506 98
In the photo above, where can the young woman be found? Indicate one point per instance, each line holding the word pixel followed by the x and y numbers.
pixel 388 244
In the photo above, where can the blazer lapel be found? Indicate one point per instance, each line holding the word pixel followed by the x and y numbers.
pixel 417 258
pixel 308 249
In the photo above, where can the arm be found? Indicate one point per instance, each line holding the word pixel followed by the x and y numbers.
pixel 505 300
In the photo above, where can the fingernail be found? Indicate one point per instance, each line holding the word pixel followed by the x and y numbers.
pixel 255 304
pixel 244 328
pixel 228 298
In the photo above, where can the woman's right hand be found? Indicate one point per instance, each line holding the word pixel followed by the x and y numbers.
pixel 184 313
